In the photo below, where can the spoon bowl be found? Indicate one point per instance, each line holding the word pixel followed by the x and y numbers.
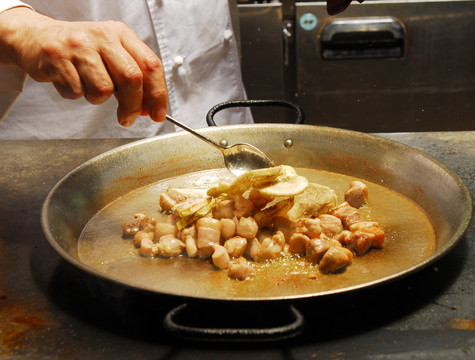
pixel 238 158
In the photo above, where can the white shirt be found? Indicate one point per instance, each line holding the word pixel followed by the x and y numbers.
pixel 195 42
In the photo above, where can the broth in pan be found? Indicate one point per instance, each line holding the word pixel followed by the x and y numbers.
pixel 410 238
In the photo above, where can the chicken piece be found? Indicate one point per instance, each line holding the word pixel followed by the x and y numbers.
pixel 372 227
pixel 363 242
pixel 243 207
pixel 346 238
pixel 190 246
pixel 148 247
pixel 208 233
pixel 253 248
pixel 140 216
pixel 187 231
pixel 330 225
pixel 208 221
pixel 236 246
pixel 220 257
pixel 170 246
pixel 224 210
pixel 347 214
pixel 141 235
pixel 367 234
pixel 147 224
pixel 240 270
pixel 162 229
pixel 259 200
pixel 228 228
pixel 313 227
pixel 298 243
pixel 132 227
pixel 357 194
pixel 316 248
pixel 247 227
pixel 285 225
pixel 335 259
pixel 271 247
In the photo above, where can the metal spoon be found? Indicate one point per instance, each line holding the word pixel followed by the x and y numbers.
pixel 239 158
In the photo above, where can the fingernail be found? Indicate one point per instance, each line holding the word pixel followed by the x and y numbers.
pixel 159 115
pixel 126 122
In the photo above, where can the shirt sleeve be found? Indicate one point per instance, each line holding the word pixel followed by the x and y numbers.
pixel 12 80
pixel 8 4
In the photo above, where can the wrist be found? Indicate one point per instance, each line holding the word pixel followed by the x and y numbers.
pixel 13 23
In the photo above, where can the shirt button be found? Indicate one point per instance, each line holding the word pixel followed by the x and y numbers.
pixel 228 35
pixel 177 61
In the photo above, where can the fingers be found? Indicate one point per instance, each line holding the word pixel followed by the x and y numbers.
pixel 155 90
pixel 94 59
pixel 127 78
pixel 65 78
pixel 137 73
pixel 154 87
pixel 97 83
pixel 84 75
pixel 129 94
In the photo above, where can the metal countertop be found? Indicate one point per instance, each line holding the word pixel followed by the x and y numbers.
pixel 48 310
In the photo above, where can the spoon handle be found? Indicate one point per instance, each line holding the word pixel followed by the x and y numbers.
pixel 190 130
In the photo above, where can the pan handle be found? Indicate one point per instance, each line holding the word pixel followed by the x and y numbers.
pixel 230 334
pixel 251 103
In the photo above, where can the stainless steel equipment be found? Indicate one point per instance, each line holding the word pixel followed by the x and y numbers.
pixel 378 66
pixel 90 187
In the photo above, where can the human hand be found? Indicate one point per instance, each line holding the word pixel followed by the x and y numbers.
pixel 90 59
